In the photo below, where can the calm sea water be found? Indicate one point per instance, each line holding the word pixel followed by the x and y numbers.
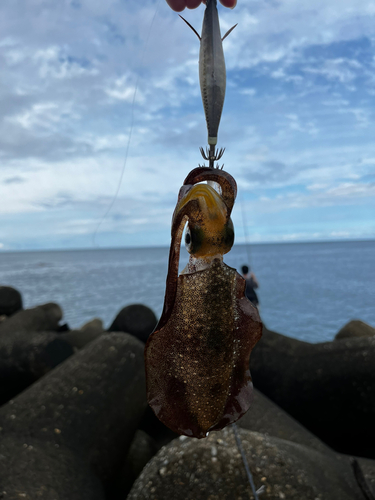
pixel 307 290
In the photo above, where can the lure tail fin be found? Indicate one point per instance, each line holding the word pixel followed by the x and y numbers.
pixel 228 32
pixel 190 26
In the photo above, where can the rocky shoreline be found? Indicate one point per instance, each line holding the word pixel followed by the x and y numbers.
pixel 74 420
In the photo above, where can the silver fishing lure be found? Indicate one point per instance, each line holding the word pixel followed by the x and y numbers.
pixel 212 76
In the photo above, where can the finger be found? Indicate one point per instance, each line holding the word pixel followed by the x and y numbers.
pixel 229 3
pixel 177 5
pixel 193 4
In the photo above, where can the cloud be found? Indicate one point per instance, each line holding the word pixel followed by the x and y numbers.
pixel 295 124
pixel 248 91
pixel 54 62
pixel 122 89
pixel 297 121
pixel 14 180
pixel 282 30
pixel 342 69
pixel 44 116
pixel 344 194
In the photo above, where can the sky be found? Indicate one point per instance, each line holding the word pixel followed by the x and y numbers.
pixel 79 77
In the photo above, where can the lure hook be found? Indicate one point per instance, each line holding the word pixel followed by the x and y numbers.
pixel 212 155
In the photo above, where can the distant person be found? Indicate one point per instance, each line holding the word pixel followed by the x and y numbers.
pixel 251 285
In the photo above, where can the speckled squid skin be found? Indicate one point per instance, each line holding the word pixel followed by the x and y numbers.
pixel 197 360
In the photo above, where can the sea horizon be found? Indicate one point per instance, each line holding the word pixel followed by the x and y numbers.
pixel 308 290
pixel 136 247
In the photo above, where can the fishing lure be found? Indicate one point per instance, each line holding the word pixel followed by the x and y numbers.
pixel 197 359
pixel 212 76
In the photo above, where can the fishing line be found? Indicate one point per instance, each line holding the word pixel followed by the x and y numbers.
pixel 244 459
pixel 234 426
pixel 131 129
pixel 361 480
pixel 244 223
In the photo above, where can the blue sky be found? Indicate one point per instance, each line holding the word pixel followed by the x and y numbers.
pixel 298 120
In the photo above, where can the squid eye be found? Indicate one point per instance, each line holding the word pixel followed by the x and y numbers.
pixel 194 238
pixel 188 239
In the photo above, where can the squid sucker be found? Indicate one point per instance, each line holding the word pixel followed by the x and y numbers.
pixel 197 359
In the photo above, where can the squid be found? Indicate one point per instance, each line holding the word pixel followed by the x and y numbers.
pixel 197 359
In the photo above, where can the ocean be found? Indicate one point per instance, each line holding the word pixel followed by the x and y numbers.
pixel 307 290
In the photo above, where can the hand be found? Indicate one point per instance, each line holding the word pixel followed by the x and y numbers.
pixel 179 5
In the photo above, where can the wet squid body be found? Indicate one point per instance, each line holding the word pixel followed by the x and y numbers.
pixel 197 359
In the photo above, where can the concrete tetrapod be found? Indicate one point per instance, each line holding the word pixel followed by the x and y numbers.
pixel 10 300
pixel 212 468
pixel 268 418
pixel 355 328
pixel 44 318
pixel 68 434
pixel 329 387
pixel 264 416
pixel 136 319
pixel 27 356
